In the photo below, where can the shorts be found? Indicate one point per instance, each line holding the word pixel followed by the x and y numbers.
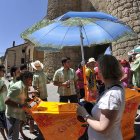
pixel 2 120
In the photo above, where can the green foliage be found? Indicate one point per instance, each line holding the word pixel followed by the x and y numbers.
pixel 35 27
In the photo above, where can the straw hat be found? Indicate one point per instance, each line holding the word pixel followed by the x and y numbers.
pixel 37 65
pixel 91 60
pixel 137 56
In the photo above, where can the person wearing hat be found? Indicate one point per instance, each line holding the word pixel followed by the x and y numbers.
pixel 90 76
pixel 136 71
pixel 40 80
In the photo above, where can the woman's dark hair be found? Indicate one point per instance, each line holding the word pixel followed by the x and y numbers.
pixel 23 66
pixel 130 58
pixel 12 70
pixel 2 67
pixel 109 67
pixel 64 60
pixel 26 75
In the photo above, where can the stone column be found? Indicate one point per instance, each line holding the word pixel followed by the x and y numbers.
pixel 59 7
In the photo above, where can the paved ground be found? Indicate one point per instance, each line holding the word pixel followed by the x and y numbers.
pixel 53 96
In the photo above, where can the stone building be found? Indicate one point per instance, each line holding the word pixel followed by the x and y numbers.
pixel 126 10
pixel 59 7
pixel 32 54
pixel 1 60
pixel 21 54
pixel 129 12
pixel 14 56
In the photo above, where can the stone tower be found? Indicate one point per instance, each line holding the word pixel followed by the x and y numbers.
pixel 59 7
pixel 56 8
pixel 129 12
pixel 126 10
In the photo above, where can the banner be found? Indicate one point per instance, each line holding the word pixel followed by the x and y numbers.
pixel 132 100
pixel 59 121
pixel 56 120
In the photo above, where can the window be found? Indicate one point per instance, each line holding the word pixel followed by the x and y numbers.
pixel 23 50
pixel 22 60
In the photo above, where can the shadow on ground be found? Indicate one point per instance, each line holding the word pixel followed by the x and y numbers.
pixel 36 135
pixel 137 131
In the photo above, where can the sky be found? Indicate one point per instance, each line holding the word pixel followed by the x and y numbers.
pixel 15 17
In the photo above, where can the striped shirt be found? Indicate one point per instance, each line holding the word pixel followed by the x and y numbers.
pixel 62 75
pixel 40 81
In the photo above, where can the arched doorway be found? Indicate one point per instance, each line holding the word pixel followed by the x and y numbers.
pixel 95 51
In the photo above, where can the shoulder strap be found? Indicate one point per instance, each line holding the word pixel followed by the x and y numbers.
pixel 101 94
pixel 117 85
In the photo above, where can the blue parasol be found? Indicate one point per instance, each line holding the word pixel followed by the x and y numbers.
pixel 79 29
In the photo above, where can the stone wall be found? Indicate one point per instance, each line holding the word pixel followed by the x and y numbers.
pixel 129 12
pixel 126 10
pixel 52 60
pixel 56 8
pixel 86 5
pixel 59 7
pixel 99 5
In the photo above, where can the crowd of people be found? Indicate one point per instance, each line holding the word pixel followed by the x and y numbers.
pixel 105 81
pixel 23 86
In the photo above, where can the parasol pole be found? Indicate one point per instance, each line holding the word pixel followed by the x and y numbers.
pixel 83 62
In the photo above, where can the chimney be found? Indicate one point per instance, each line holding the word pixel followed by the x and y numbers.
pixel 13 43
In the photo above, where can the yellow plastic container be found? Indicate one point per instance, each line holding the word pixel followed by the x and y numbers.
pixel 132 100
pixel 58 121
